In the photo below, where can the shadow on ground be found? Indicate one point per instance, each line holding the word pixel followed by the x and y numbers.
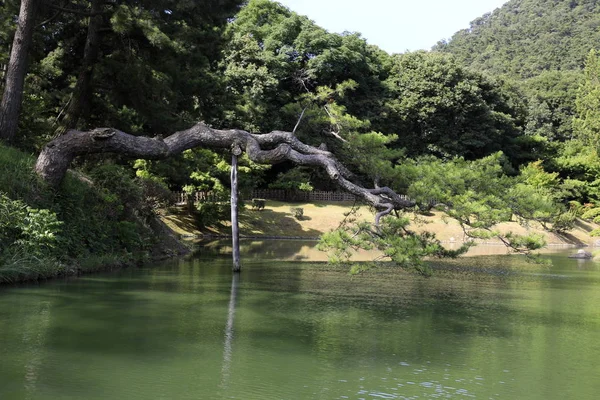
pixel 274 223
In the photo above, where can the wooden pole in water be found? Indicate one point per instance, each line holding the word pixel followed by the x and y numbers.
pixel 235 229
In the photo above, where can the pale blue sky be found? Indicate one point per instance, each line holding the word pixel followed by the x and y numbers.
pixel 395 25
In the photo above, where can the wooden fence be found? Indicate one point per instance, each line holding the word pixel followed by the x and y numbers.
pixel 298 195
pixel 268 194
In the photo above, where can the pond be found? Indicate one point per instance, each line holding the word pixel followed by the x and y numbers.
pixel 482 327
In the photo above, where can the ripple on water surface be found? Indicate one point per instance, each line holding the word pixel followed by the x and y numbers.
pixel 184 330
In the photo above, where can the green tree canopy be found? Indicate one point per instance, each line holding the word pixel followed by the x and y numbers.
pixel 439 107
pixel 525 37
pixel 586 124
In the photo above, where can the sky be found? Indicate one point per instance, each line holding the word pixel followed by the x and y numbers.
pixel 395 25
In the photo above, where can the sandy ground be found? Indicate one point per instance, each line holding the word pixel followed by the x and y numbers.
pixel 277 220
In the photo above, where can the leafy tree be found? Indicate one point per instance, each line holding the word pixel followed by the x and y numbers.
pixel 586 125
pixel 276 56
pixel 137 66
pixel 279 65
pixel 141 67
pixel 551 104
pixel 438 107
pixel 526 37
pixel 478 194
pixel 157 66
pixel 294 179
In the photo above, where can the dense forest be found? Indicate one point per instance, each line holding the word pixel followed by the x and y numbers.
pixel 525 38
pixel 498 123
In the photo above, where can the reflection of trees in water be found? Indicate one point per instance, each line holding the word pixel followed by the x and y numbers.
pixel 256 249
pixel 34 337
pixel 317 310
pixel 455 302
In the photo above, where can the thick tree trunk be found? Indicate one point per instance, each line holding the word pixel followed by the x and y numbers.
pixel 10 106
pixel 235 227
pixel 270 148
pixel 81 93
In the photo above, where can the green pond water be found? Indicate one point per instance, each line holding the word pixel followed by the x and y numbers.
pixel 483 327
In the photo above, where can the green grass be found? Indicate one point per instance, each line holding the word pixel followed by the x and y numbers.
pixel 21 268
pixel 18 180
pixel 276 220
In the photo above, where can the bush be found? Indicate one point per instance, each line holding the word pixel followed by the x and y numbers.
pixel 577 208
pixel 118 186
pixel 156 194
pixel 258 204
pixel 564 222
pixel 129 236
pixel 42 228
pixel 94 214
pixel 26 230
pixel 298 212
pixel 591 214
pixel 18 181
pixel 28 238
pixel 212 213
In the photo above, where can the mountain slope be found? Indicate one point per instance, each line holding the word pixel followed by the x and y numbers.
pixel 525 37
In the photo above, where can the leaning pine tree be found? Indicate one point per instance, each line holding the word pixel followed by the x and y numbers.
pixel 389 232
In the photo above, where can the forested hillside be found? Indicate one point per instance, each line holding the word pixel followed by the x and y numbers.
pixel 541 49
pixel 523 38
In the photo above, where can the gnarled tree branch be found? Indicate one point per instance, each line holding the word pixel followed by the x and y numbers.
pixel 269 148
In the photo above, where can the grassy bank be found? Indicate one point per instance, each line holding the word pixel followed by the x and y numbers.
pixel 79 227
pixel 277 220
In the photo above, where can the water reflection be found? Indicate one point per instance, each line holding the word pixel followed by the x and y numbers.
pixel 34 338
pixel 228 342
pixel 288 330
pixel 306 250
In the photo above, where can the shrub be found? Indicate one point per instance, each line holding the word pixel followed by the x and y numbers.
pixel 258 204
pixel 129 235
pixel 212 213
pixel 577 208
pixel 591 213
pixel 118 184
pixel 298 212
pixel 19 181
pixel 156 194
pixel 564 222
pixel 26 230
pixel 44 228
pixel 595 232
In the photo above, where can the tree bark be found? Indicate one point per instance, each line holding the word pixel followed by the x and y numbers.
pixel 10 106
pixel 235 227
pixel 81 92
pixel 269 148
